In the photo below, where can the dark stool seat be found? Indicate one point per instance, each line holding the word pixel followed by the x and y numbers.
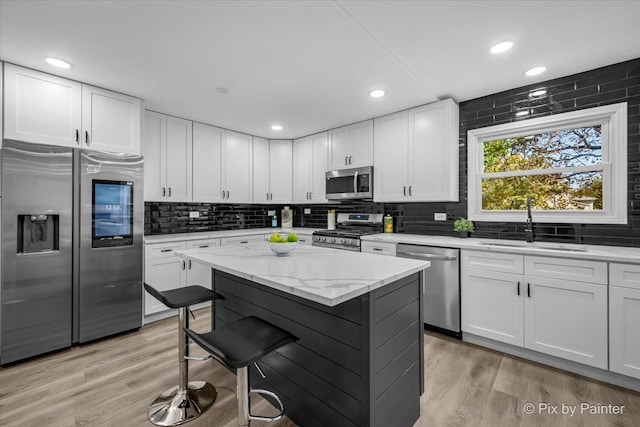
pixel 238 345
pixel 183 297
pixel 187 400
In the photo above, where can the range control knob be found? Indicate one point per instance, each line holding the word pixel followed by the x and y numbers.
pixel 333 240
pixel 324 239
pixel 348 242
pixel 343 241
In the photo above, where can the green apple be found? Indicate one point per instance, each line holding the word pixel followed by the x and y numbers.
pixel 276 238
pixel 292 237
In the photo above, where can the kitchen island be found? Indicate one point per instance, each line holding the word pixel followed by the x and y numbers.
pixel 359 358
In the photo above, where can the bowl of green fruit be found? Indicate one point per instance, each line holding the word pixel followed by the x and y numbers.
pixel 281 244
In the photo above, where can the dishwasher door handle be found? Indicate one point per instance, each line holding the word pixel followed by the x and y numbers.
pixel 426 256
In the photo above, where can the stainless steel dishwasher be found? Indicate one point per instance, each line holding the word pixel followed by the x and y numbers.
pixel 441 286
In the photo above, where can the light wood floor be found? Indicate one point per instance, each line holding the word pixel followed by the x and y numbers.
pixel 111 383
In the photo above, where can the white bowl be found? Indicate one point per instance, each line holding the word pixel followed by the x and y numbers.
pixel 282 249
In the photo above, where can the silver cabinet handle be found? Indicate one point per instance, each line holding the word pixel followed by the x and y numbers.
pixel 77 136
pixel 166 250
pixel 355 182
pixel 346 160
pixel 86 137
pixel 222 194
pixel 302 240
pixel 203 246
pixel 243 242
pixel 349 159
pixel 169 191
pixel 267 196
pixel 189 264
pixel 409 190
pixel 227 194
pixel 163 192
pixel 377 249
pixel 310 195
pixel 404 190
pixel 184 265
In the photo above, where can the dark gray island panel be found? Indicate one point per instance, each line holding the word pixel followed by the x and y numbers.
pixel 358 363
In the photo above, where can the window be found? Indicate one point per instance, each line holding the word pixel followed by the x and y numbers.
pixel 572 166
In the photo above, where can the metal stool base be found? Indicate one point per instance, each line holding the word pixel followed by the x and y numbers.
pixel 175 407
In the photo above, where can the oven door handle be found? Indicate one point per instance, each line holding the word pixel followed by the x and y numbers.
pixel 355 182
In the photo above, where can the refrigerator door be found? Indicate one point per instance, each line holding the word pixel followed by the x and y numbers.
pixel 37 200
pixel 110 256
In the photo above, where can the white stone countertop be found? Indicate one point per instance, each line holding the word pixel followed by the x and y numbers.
pixel 323 275
pixel 556 250
pixel 178 237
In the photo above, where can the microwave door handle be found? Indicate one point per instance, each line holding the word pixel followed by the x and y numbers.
pixel 355 182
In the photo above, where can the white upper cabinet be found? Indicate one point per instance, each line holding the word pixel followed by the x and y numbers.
pixel 110 121
pixel 41 108
pixel 46 109
pixel 416 154
pixel 272 171
pixel 207 163
pixel 167 150
pixel 351 146
pixel 309 167
pixel 238 168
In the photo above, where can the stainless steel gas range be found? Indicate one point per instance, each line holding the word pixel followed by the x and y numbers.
pixel 349 228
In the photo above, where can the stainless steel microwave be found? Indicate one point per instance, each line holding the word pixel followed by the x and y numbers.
pixel 345 184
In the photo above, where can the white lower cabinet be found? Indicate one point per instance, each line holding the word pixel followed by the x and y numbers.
pixel 535 310
pixel 163 270
pixel 624 319
pixel 492 305
pixel 200 274
pixel 243 240
pixel 566 319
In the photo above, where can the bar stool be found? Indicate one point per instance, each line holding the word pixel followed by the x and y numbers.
pixel 239 344
pixel 187 400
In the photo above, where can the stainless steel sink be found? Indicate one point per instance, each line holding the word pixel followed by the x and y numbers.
pixel 537 246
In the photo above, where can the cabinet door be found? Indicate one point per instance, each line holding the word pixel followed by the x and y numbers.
pixel 566 319
pixel 492 305
pixel 242 240
pixel 302 169
pixel 110 121
pixel 179 156
pixel 162 273
pixel 238 167
pixel 624 338
pixel 41 108
pixel 207 163
pixel 280 171
pixel 318 168
pixel 433 152
pixel 260 170
pixel 390 152
pixel 378 248
pixel 339 148
pixel 361 135
pixel 154 150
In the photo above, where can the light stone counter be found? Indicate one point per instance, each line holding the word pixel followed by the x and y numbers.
pixel 559 250
pixel 326 276
pixel 178 237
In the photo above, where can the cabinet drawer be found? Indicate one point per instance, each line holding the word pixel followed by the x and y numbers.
pixel 202 244
pixel 493 261
pixel 624 275
pixel 162 249
pixel 378 248
pixel 566 269
pixel 244 240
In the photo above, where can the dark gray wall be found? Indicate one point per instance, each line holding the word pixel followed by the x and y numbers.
pixel 607 85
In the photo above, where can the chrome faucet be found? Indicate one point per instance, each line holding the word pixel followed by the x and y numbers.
pixel 529 227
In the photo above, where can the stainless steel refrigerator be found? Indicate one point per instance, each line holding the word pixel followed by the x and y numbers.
pixel 72 224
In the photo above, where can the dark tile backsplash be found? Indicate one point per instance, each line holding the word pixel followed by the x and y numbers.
pixel 612 84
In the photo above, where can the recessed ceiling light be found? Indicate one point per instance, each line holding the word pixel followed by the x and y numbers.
pixel 377 93
pixel 276 127
pixel 537 93
pixel 522 113
pixel 501 47
pixel 57 62
pixel 535 71
pixel 222 90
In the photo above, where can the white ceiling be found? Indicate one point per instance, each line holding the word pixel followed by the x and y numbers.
pixel 309 65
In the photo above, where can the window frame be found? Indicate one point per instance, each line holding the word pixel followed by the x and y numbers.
pixel 613 119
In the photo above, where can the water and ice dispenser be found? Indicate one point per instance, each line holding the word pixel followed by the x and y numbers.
pixel 38 233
